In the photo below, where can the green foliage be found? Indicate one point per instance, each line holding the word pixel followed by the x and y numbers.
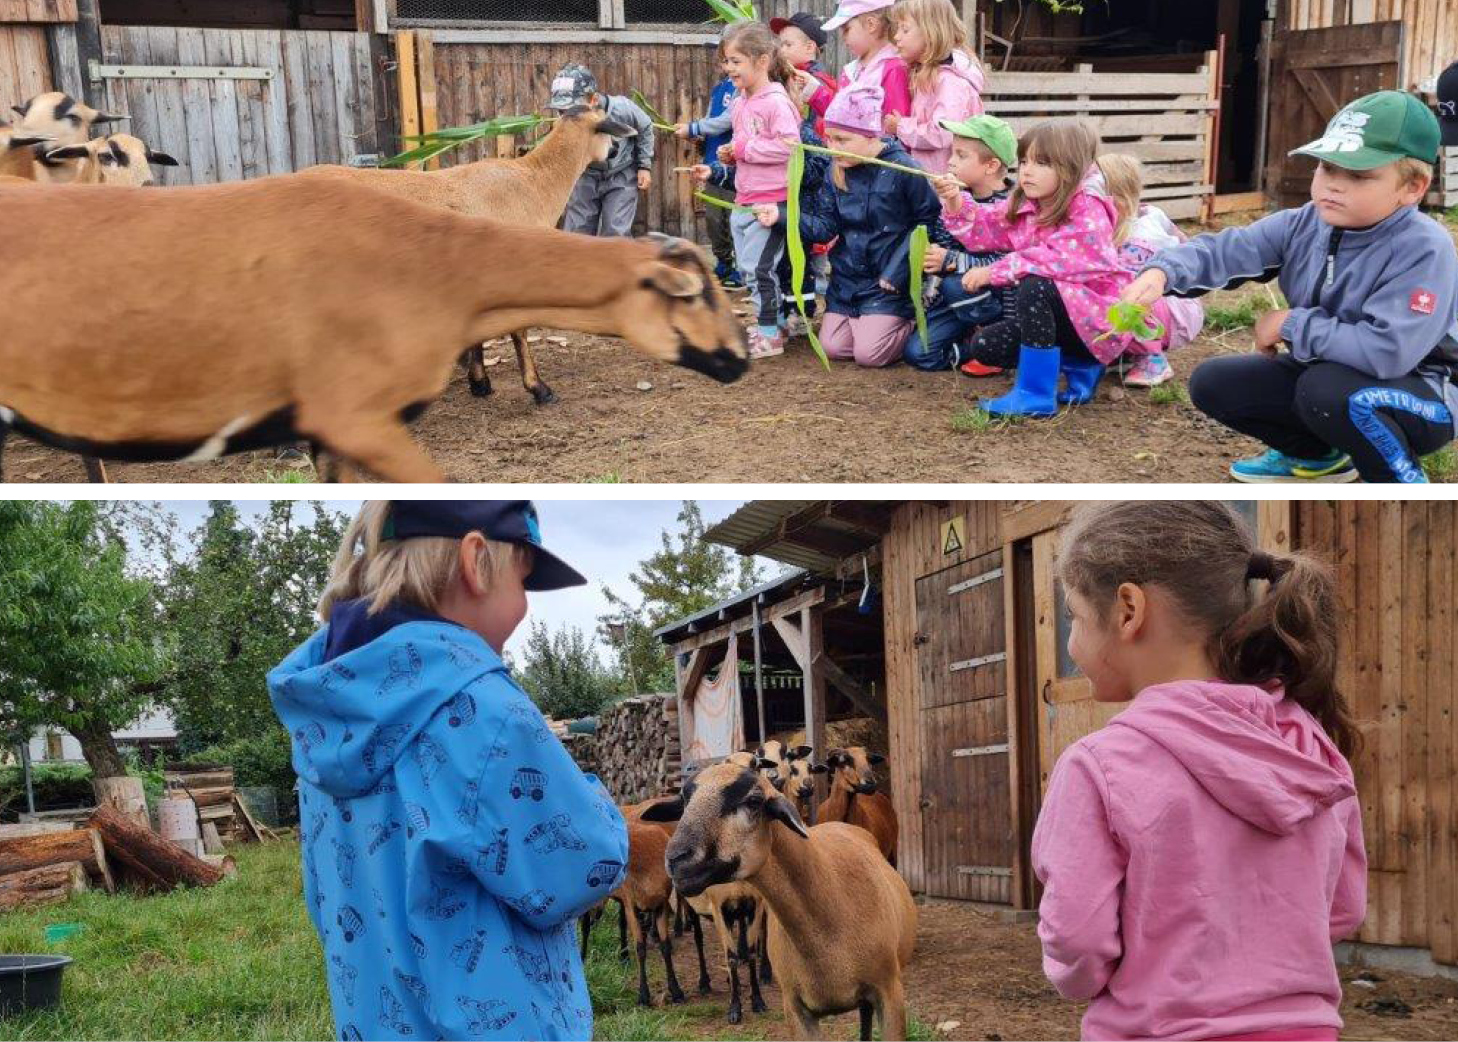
pixel 1172 393
pixel 439 142
pixel 263 759
pixel 919 242
pixel 562 673
pixel 55 785
pixel 1441 465
pixel 795 174
pixel 731 11
pixel 656 117
pixel 723 204
pixel 976 420
pixel 1223 318
pixel 1131 319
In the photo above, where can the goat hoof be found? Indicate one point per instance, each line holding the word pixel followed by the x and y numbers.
pixel 481 390
pixel 735 1015
pixel 643 999
pixel 758 1006
pixel 705 988
pixel 544 395
pixel 677 998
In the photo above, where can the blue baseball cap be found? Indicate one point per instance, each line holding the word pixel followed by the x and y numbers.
pixel 505 520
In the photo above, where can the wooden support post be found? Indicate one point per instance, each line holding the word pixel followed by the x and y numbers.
pixel 759 674
pixel 1216 61
pixel 812 629
pixel 851 687
pixel 88 49
pixel 425 79
pixel 1263 104
pixel 408 87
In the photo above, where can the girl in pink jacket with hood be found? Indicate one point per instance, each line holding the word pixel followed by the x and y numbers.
pixel 1201 854
pixel 866 27
pixel 946 81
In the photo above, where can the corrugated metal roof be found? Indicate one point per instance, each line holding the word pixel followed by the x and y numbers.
pixel 756 519
pixel 680 628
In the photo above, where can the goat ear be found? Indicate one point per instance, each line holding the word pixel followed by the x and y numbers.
pixel 800 752
pixel 674 282
pixel 68 152
pixel 24 140
pixel 160 158
pixel 875 758
pixel 21 110
pixel 666 811
pixel 783 811
pixel 765 764
pixel 819 768
pixel 108 117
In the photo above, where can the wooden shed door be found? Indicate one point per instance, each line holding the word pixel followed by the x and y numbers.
pixel 961 648
pixel 1314 73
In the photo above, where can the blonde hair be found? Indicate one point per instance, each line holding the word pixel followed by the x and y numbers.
pixel 945 34
pixel 1070 147
pixel 415 570
pixel 1124 179
pixel 883 16
pixel 1410 171
pixel 754 40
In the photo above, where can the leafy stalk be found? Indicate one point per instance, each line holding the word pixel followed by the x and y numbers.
pixel 794 175
pixel 657 118
pixel 915 171
pixel 919 242
pixel 1132 319
pixel 438 142
pixel 731 11
pixel 724 203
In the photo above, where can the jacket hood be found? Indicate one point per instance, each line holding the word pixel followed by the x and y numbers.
pixel 355 694
pixel 965 66
pixel 1258 754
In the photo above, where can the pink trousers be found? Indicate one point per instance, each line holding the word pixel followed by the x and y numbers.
pixel 871 340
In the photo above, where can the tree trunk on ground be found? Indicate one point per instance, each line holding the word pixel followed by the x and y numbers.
pixel 124 795
pixel 41 886
pixel 23 853
pixel 150 859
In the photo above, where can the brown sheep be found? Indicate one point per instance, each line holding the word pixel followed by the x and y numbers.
pixel 531 191
pixel 265 312
pixel 800 787
pixel 853 797
pixel 18 153
pixel 842 925
pixel 117 159
pixel 67 122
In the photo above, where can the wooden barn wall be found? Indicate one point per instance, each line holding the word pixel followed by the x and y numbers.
pixel 25 67
pixel 319 106
pixel 910 550
pixel 37 11
pixel 1430 37
pixel 1396 564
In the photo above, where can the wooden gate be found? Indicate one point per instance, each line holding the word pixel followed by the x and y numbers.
pixel 1314 73
pixel 961 649
pixel 230 104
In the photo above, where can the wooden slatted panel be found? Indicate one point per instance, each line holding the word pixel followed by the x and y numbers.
pixel 37 11
pixel 1428 46
pixel 25 68
pixel 319 107
pixel 1162 118
pixel 912 548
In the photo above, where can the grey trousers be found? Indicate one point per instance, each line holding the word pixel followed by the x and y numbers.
pixel 603 204
pixel 721 238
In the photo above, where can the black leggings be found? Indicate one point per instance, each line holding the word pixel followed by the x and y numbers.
pixel 1305 411
pixel 1041 320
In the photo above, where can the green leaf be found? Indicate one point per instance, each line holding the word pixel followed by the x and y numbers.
pixel 1125 318
pixel 723 203
pixel 795 175
pixel 915 171
pixel 659 120
pixel 919 242
pixel 741 11
pixel 438 142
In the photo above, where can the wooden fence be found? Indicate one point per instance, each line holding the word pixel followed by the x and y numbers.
pixel 25 68
pixel 300 98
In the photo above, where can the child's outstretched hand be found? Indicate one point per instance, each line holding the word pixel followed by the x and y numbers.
pixel 726 154
pixel 701 173
pixel 977 278
pixel 767 214
pixel 681 130
pixel 935 259
pixel 949 191
pixel 1268 332
pixel 1146 289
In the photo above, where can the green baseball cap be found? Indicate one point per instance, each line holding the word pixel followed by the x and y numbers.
pixel 1376 130
pixel 991 131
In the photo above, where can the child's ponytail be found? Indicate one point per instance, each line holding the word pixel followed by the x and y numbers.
pixel 1289 636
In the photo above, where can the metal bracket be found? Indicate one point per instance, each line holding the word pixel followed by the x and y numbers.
pixel 973 663
pixel 983 870
pixel 967 584
pixel 981 750
pixel 101 72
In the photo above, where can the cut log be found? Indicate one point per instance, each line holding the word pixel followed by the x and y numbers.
pixel 223 863
pixel 41 886
pixel 212 842
pixel 220 778
pixel 22 853
pixel 147 854
pixel 125 795
pixel 37 828
pixel 210 797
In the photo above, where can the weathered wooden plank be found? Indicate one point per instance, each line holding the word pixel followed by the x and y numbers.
pixel 197 109
pixel 167 99
pixel 252 124
pixel 1095 84
pixel 1414 609
pixel 223 101
pixel 322 106
pixel 275 105
pixel 296 95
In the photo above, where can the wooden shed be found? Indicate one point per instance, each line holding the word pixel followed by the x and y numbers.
pixel 982 698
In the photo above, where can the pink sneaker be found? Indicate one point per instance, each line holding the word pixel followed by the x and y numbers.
pixel 761 346
pixel 1149 371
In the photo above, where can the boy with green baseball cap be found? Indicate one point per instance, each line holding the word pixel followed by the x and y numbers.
pixel 1367 385
pixel 983 149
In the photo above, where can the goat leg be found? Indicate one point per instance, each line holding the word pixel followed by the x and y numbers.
pixel 95 470
pixel 530 378
pixel 379 444
pixel 736 1010
pixel 705 988
pixel 586 924
pixel 867 1018
pixel 665 948
pixel 623 955
pixel 4 433
pixel 473 361
pixel 891 1011
pixel 641 944
pixel 766 971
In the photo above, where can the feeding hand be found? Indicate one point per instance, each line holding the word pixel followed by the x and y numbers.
pixel 1146 289
pixel 1268 332
pixel 768 214
pixel 935 260
pixel 977 278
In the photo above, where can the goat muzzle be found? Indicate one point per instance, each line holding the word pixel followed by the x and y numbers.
pixel 722 364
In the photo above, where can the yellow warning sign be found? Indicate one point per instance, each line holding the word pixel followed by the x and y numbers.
pixel 954 535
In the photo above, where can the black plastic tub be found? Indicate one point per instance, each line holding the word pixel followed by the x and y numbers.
pixel 30 982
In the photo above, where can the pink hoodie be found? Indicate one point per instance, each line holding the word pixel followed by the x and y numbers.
pixel 884 69
pixel 958 96
pixel 1200 856
pixel 761 153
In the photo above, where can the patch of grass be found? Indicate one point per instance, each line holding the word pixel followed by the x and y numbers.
pixel 610 478
pixel 1172 393
pixel 976 420
pixel 1443 464
pixel 1223 318
pixel 1450 215
pixel 303 476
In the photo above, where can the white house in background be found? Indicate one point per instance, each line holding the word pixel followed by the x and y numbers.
pixel 155 729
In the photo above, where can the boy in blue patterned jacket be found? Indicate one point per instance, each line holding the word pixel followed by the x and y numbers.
pixel 449 841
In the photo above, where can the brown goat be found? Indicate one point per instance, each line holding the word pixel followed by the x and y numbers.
pixel 265 312
pixel 67 122
pixel 117 159
pixel 842 925
pixel 18 153
pixel 646 894
pixel 853 797
pixel 531 191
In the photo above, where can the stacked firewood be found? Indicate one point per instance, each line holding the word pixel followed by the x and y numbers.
pixel 212 789
pixel 637 748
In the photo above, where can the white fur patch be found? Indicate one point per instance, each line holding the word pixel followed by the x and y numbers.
pixel 214 446
pixel 7 416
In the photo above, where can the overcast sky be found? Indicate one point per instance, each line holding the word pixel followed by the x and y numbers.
pixel 603 539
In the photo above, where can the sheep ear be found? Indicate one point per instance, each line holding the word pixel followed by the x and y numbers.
pixel 783 811
pixel 68 152
pixel 108 117
pixel 674 282
pixel 21 110
pixel 160 158
pixel 800 752
pixel 666 811
pixel 875 759
pixel 819 768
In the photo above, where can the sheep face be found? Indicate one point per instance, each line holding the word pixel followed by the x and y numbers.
pixel 66 120
pixel 800 784
pixel 854 769
pixel 674 311
pixel 724 814
pixel 118 159
pixel 605 131
pixel 782 756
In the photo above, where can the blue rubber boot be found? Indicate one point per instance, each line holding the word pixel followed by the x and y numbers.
pixel 1035 390
pixel 1083 380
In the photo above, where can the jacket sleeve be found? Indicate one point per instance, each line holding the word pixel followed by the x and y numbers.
pixel 954 97
pixel 501 800
pixel 645 142
pixel 1404 317
pixel 712 126
pixel 1078 250
pixel 922 208
pixel 1349 904
pixel 1207 262
pixel 896 82
pixel 1079 859
pixel 823 96
pixel 980 228
pixel 770 145
pixel 819 217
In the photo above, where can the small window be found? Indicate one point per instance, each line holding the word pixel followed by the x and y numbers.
pixel 1062 627
pixel 664 12
pixel 557 12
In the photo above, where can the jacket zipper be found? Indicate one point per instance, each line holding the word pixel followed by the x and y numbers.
pixel 1332 246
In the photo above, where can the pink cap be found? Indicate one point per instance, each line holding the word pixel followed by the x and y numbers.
pixel 849 9
pixel 857 108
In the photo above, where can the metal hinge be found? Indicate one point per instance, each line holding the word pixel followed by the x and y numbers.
pixel 967 584
pixel 981 750
pixel 973 663
pixel 982 870
pixel 101 72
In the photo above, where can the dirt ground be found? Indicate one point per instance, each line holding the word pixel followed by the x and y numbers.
pixel 976 976
pixel 623 418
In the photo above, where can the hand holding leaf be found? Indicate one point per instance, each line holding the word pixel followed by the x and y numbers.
pixel 1126 319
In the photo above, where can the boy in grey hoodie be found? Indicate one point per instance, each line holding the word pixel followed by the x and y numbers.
pixel 605 199
pixel 1367 386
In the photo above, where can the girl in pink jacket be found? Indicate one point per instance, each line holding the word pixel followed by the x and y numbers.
pixel 946 81
pixel 866 27
pixel 1059 240
pixel 1200 854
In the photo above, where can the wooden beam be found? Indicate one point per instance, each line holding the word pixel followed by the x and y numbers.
pixel 577 36
pixel 429 114
pixel 745 624
pixel 851 687
pixel 693 675
pixel 88 49
pixel 1021 522
pixel 408 87
pixel 810 626
pixel 794 639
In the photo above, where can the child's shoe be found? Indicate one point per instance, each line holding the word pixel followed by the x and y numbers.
pixel 728 276
pixel 795 325
pixel 762 346
pixel 1083 380
pixel 977 369
pixel 1035 390
pixel 1149 371
pixel 1272 467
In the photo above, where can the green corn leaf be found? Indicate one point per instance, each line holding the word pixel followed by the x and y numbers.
pixel 731 12
pixel 1125 318
pixel 438 142
pixel 915 171
pixel 794 175
pixel 657 117
pixel 919 242
pixel 723 203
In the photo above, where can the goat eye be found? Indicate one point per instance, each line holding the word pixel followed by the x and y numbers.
pixel 75 119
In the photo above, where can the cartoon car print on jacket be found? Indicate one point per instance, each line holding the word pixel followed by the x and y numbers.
pixel 466 954
pixel 603 873
pixel 341 807
pixel 392 1012
pixel 482 1017
pixel 531 717
pixel 528 781
pixel 417 946
pixel 343 861
pixel 444 902
pixel 463 710
pixel 351 922
pixel 556 833
pixel 532 903
pixel 429 756
pixel 350 1033
pixel 415 986
pixel 345 976
pixel 380 750
pixel 417 819
pixel 493 855
pixel 533 966
pixel 405 669
pixel 381 832
pixel 470 807
pixel 461 656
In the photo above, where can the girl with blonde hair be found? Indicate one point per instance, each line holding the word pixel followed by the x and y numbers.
pixel 946 80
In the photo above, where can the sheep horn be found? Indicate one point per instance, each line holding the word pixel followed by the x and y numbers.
pixel 20 141
pixel 109 117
